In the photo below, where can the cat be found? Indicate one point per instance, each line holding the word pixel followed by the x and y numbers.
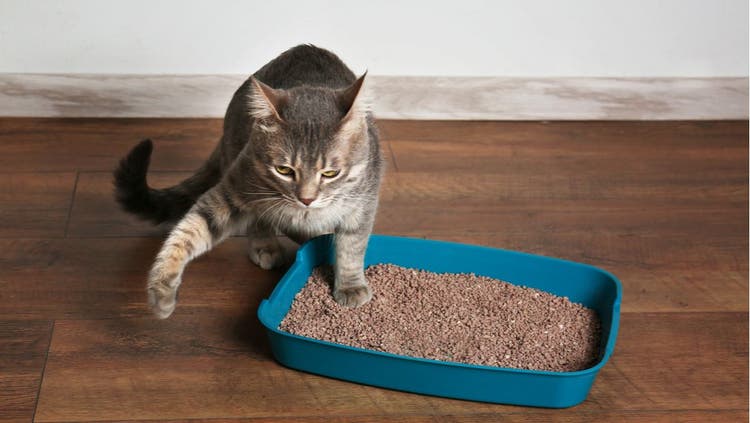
pixel 299 156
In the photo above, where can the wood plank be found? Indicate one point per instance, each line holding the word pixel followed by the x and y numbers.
pixel 612 155
pixel 630 234
pixel 557 136
pixel 30 144
pixel 198 366
pixel 35 204
pixel 106 278
pixel 96 214
pixel 592 182
pixel 23 351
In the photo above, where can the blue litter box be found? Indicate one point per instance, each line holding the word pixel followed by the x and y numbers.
pixel 584 284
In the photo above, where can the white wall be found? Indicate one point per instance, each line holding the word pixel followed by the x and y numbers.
pixel 461 37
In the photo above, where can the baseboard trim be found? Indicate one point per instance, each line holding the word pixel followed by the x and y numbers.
pixel 394 97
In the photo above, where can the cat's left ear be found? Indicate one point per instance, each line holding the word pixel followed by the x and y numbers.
pixel 352 99
pixel 355 105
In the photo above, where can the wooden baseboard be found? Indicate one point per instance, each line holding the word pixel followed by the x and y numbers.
pixel 394 97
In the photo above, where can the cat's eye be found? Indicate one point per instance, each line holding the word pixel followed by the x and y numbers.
pixel 330 173
pixel 284 170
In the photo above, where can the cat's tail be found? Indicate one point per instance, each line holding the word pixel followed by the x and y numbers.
pixel 159 205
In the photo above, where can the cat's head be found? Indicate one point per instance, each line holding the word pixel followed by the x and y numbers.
pixel 309 143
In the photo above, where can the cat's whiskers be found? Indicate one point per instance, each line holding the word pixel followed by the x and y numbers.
pixel 252 202
pixel 277 218
pixel 281 218
pixel 275 205
pixel 267 208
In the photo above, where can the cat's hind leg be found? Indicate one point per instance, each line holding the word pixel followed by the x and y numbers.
pixel 267 248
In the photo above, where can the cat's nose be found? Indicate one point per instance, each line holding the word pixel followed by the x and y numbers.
pixel 306 201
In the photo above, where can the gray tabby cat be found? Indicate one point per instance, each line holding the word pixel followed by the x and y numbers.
pixel 299 156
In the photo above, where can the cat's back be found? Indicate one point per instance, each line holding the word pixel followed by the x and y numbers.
pixel 306 64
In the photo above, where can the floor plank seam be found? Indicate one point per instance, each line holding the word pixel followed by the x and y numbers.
pixel 44 368
pixel 393 156
pixel 72 201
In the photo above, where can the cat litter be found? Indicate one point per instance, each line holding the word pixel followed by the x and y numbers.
pixel 461 318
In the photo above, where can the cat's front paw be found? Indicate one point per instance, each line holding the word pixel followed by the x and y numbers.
pixel 353 296
pixel 269 253
pixel 162 295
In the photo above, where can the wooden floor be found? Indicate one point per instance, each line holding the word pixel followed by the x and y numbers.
pixel 662 205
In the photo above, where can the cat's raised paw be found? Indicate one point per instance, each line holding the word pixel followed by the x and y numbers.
pixel 162 299
pixel 162 304
pixel 353 296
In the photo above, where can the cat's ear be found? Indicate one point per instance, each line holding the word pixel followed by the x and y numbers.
pixel 355 105
pixel 266 102
pixel 352 99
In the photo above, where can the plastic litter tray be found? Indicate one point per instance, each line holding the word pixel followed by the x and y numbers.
pixel 588 285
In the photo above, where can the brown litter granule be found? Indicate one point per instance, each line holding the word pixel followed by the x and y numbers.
pixel 451 317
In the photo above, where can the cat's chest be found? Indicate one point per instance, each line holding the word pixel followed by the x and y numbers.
pixel 313 222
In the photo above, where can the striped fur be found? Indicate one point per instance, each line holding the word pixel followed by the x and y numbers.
pixel 207 223
pixel 302 112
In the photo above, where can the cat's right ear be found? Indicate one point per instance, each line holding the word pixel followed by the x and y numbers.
pixel 266 102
